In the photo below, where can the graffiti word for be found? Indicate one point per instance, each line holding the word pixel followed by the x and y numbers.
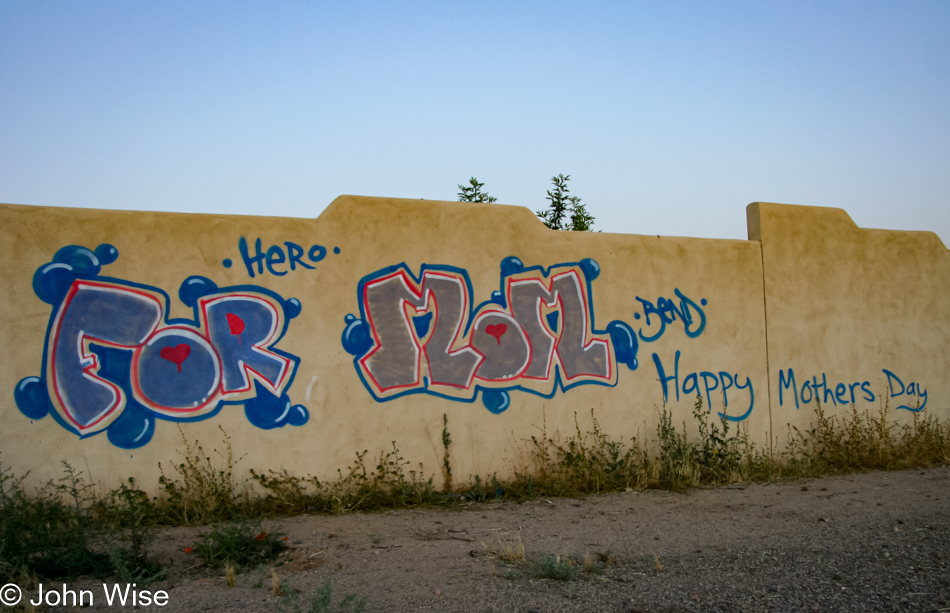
pixel 277 259
pixel 113 361
pixel 177 369
pixel 704 383
pixel 834 394
pixel 422 335
pixel 666 311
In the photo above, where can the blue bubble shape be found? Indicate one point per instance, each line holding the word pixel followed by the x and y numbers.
pixel 292 308
pixel 591 268
pixel 625 343
pixel 84 262
pixel 132 429
pixel 299 415
pixel 511 265
pixel 106 254
pixel 195 287
pixel 31 397
pixel 356 339
pixel 498 298
pixel 51 282
pixel 267 411
pixel 496 401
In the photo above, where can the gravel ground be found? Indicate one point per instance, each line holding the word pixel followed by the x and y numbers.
pixel 867 542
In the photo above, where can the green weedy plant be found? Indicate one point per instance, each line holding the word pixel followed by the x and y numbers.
pixel 556 568
pixel 130 515
pixel 10 509
pixel 511 562
pixel 446 464
pixel 62 530
pixel 241 544
pixel 719 455
pixel 288 494
pixel 385 487
pixel 482 491
pixel 11 506
pixel 593 463
pixel 862 441
pixel 49 534
pixel 360 488
pixel 21 527
pixel 322 602
pixel 926 442
pixel 676 467
pixel 54 528
pixel 202 493
pixel 588 463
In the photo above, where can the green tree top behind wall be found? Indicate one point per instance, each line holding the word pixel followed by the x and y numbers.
pixel 473 192
pixel 563 213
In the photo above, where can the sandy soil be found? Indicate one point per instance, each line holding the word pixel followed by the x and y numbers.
pixel 868 542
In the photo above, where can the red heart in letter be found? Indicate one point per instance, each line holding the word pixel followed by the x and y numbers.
pixel 235 323
pixel 496 330
pixel 176 355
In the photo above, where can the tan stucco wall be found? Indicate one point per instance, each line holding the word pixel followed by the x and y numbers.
pixel 845 305
pixel 840 300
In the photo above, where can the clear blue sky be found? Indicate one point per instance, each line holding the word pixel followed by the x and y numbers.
pixel 669 116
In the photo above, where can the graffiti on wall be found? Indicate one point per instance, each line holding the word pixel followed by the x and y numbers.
pixel 113 360
pixel 910 396
pixel 278 260
pixel 421 334
pixel 704 383
pixel 536 334
pixel 686 312
pixel 667 311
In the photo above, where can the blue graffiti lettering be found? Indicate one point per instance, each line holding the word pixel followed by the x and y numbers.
pixel 691 386
pixel 667 311
pixel 665 379
pixel 114 361
pixel 912 389
pixel 276 260
pixel 785 383
pixel 821 391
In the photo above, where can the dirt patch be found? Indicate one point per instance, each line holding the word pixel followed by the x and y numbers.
pixel 868 542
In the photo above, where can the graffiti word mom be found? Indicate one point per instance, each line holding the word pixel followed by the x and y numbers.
pixel 423 335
